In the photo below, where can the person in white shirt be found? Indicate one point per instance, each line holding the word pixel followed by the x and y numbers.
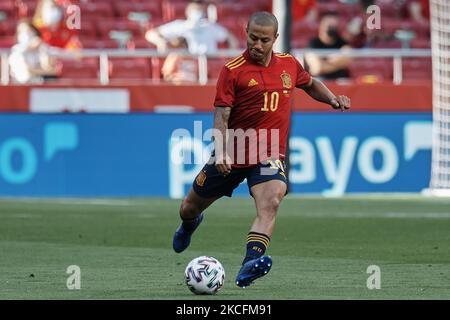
pixel 31 60
pixel 201 35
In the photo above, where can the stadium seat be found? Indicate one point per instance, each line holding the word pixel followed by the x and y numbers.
pixel 141 43
pixel 215 65
pixel 387 8
pixel 417 68
pixel 173 10
pixel 93 43
pixel 381 68
pixel 299 42
pixel 390 26
pixel 123 8
pixel 8 27
pixel 96 9
pixel 237 27
pixel 232 10
pixel 87 68
pixel 105 26
pixel 387 44
pixel 8 9
pixel 88 28
pixel 302 29
pixel 26 8
pixel 7 41
pixel 420 43
pixel 129 68
pixel 344 10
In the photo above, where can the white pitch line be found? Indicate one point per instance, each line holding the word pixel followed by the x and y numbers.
pixel 73 201
pixel 382 215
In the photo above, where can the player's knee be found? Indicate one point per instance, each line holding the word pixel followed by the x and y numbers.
pixel 271 205
pixel 189 209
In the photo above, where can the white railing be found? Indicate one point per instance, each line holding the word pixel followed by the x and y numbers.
pixel 396 54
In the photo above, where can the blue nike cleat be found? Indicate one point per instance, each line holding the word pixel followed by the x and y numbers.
pixel 182 237
pixel 253 270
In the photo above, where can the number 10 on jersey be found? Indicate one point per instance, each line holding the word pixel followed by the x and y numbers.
pixel 271 101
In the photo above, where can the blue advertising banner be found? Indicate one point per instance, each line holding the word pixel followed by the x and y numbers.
pixel 141 154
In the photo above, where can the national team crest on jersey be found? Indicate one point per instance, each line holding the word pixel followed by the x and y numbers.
pixel 286 78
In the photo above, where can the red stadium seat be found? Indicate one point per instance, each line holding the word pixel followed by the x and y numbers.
pixel 86 68
pixel 300 42
pixel 237 27
pixel 420 43
pixel 141 43
pixel 390 26
pixel 7 42
pixel 129 68
pixel 88 28
pixel 232 10
pixel 215 65
pixel 96 9
pixel 105 26
pixel 90 43
pixel 8 8
pixel 26 9
pixel 381 68
pixel 387 44
pixel 343 10
pixel 387 8
pixel 302 29
pixel 8 28
pixel 417 68
pixel 123 8
pixel 174 10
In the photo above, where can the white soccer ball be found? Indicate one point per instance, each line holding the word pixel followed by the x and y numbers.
pixel 204 275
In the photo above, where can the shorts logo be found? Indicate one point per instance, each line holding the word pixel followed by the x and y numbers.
pixel 286 78
pixel 200 180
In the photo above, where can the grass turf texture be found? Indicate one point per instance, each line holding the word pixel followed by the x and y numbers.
pixel 321 248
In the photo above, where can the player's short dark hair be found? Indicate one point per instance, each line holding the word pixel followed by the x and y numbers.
pixel 263 18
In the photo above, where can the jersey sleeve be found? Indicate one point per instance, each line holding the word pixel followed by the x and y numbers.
pixel 225 89
pixel 303 77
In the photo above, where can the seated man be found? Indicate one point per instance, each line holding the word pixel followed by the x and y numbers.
pixel 178 68
pixel 333 66
pixel 202 36
pixel 31 60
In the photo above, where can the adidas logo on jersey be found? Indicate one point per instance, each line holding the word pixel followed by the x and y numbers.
pixel 252 83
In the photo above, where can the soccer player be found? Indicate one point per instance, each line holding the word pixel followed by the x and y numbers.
pixel 252 104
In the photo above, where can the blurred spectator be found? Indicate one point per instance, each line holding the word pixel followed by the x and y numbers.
pixel 30 59
pixel 356 33
pixel 302 10
pixel 178 68
pixel 333 66
pixel 202 35
pixel 49 19
pixel 419 11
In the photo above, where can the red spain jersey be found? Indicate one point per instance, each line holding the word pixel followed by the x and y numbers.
pixel 260 101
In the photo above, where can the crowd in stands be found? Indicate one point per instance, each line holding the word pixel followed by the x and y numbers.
pixel 45 47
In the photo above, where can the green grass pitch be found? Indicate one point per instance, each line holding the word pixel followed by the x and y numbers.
pixel 321 248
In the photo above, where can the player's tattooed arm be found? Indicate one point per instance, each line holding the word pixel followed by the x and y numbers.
pixel 318 91
pixel 223 161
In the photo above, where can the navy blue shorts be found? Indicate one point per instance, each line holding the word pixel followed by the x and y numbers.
pixel 211 183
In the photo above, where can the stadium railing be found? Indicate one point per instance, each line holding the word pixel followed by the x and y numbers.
pixel 397 56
